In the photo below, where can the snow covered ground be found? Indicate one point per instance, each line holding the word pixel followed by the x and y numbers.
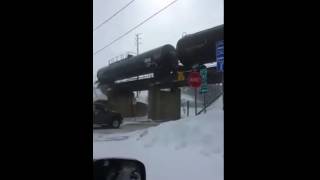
pixel 125 128
pixel 143 97
pixel 187 149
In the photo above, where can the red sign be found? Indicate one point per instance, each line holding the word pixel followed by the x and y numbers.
pixel 194 79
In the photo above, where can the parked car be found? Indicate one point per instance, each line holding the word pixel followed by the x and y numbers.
pixel 105 117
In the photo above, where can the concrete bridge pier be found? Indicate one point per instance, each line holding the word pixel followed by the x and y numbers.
pixel 122 101
pixel 164 104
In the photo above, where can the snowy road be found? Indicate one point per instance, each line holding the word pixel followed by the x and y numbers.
pixel 127 127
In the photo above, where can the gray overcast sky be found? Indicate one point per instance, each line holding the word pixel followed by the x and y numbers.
pixel 166 28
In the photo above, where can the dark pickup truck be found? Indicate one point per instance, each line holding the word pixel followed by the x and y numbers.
pixel 105 117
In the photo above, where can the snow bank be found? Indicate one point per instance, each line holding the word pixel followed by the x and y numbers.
pixel 188 149
pixel 204 131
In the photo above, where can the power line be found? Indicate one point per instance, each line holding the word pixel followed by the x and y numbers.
pixel 105 21
pixel 135 27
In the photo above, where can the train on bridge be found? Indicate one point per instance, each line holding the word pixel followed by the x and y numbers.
pixel 163 62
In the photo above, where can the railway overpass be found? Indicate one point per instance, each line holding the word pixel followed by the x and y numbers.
pixel 120 79
pixel 162 104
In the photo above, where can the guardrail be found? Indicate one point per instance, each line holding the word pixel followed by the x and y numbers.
pixel 211 102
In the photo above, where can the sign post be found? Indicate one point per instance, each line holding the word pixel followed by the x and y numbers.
pixel 188 108
pixel 204 85
pixel 194 80
pixel 220 55
pixel 195 101
pixel 204 103
pixel 220 62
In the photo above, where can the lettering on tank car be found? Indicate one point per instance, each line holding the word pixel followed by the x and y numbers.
pixel 148 62
pixel 198 46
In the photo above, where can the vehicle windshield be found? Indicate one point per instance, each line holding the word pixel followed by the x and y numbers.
pixel 165 100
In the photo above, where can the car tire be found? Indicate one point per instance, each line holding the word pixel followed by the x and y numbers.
pixel 115 124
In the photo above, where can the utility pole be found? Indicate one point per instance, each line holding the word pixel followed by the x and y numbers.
pixel 137 44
